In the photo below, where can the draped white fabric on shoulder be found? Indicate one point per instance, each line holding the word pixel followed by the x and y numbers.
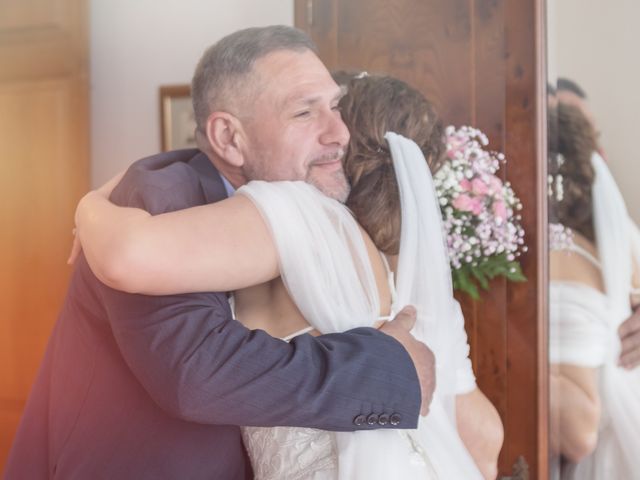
pixel 326 269
pixel 584 324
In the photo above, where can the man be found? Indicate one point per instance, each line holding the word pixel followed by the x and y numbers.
pixel 629 332
pixel 570 93
pixel 155 387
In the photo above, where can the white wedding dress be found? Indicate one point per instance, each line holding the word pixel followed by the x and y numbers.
pixel 583 332
pixel 326 269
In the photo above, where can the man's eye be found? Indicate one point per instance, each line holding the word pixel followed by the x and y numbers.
pixel 336 108
pixel 302 114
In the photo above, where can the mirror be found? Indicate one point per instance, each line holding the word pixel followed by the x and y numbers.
pixel 594 206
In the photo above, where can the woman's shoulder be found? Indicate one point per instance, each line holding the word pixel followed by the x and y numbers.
pixel 578 265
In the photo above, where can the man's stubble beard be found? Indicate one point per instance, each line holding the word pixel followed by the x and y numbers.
pixel 338 189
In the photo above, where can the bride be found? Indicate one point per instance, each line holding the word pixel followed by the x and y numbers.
pixel 310 261
pixel 594 401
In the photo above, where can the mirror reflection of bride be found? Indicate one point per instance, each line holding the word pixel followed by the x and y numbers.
pixel 595 422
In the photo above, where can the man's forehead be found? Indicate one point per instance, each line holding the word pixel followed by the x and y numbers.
pixel 292 78
pixel 309 94
pixel 291 67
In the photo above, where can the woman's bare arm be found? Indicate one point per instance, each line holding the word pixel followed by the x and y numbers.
pixel 574 407
pixel 574 411
pixel 481 430
pixel 217 247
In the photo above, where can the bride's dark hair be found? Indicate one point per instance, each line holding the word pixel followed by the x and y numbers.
pixel 572 140
pixel 374 105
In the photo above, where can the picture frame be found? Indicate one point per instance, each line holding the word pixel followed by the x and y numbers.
pixel 177 120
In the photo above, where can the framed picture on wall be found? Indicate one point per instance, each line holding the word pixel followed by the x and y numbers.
pixel 177 120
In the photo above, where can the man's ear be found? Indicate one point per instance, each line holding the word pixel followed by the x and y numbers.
pixel 224 133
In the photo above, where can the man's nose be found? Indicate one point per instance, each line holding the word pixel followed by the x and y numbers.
pixel 335 132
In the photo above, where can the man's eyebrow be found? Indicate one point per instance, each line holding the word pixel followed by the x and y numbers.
pixel 310 100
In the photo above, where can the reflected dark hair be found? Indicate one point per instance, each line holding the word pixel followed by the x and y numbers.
pixel 374 105
pixel 570 86
pixel 572 142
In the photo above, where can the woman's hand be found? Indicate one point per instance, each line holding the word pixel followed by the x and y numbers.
pixel 76 248
pixel 104 191
pixel 481 430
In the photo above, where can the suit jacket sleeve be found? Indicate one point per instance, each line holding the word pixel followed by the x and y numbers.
pixel 200 365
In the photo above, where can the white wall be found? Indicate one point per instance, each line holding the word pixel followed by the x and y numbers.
pixel 597 45
pixel 138 45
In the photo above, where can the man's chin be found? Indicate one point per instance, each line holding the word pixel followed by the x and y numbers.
pixel 338 189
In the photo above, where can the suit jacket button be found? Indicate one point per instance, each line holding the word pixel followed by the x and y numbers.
pixel 395 419
pixel 372 419
pixel 360 420
pixel 383 419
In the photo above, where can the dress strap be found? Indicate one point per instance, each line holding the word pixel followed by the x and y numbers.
pixel 392 286
pixel 584 254
pixel 295 334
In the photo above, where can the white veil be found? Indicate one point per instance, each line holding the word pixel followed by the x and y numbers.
pixel 325 267
pixel 618 242
pixel 424 280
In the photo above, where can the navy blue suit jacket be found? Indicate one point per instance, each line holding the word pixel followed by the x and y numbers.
pixel 141 387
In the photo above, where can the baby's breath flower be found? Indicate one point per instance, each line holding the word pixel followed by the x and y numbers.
pixel 479 218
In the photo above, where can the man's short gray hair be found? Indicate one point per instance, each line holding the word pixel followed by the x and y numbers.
pixel 225 65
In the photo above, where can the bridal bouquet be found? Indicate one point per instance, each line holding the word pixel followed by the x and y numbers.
pixel 479 211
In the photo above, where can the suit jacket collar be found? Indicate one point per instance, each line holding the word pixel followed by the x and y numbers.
pixel 210 179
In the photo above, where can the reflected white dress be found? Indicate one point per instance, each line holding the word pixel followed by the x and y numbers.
pixel 583 332
pixel 326 269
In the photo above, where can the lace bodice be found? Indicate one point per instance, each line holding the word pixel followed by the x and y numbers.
pixel 295 453
pixel 292 453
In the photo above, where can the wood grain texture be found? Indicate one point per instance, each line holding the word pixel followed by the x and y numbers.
pixel 527 303
pixel 480 62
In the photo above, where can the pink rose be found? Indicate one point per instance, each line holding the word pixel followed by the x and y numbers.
pixel 495 184
pixel 465 185
pixel 454 145
pixel 500 210
pixel 477 205
pixel 479 187
pixel 463 202
pixel 467 203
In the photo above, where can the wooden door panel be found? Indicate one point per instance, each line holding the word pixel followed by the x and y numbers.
pixel 28 14
pixel 480 62
pixel 45 166
pixel 42 38
pixel 392 41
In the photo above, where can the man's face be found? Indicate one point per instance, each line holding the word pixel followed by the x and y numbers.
pixel 293 130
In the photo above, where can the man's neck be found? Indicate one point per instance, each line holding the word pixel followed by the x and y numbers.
pixel 232 177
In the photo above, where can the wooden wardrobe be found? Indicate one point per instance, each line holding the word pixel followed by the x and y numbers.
pixel 481 62
pixel 44 160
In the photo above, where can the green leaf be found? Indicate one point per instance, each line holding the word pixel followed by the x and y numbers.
pixel 481 277
pixel 467 277
pixel 514 273
pixel 461 281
